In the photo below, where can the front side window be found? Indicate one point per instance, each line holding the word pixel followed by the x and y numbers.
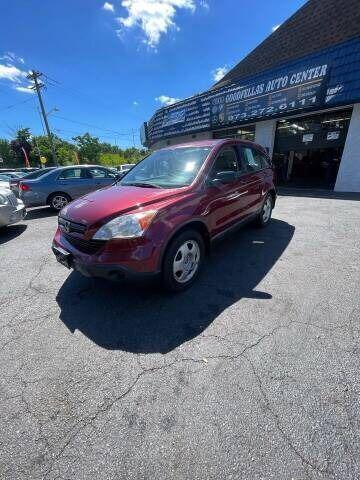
pixel 169 168
pixel 226 161
pixel 96 172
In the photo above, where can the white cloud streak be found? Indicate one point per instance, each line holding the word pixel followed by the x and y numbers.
pixel 153 17
pixel 21 89
pixel 219 72
pixel 109 7
pixel 165 100
pixel 11 73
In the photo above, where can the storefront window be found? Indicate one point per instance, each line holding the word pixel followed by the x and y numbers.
pixel 243 133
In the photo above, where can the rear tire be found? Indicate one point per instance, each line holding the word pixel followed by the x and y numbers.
pixel 58 201
pixel 264 216
pixel 183 260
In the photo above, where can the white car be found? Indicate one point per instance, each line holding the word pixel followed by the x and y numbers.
pixel 12 210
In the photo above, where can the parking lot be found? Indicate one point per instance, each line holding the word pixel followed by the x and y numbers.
pixel 253 373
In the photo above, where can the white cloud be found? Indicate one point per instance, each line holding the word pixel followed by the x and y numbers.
pixel 10 57
pixel 108 6
pixel 204 4
pixel 165 100
pixel 19 88
pixel 219 72
pixel 11 73
pixel 275 27
pixel 154 17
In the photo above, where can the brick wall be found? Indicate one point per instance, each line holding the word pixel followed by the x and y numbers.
pixel 317 25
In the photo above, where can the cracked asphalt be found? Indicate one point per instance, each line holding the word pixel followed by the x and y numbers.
pixel 251 374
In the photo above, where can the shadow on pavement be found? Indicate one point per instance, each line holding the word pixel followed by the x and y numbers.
pixel 42 212
pixel 12 231
pixel 314 193
pixel 143 319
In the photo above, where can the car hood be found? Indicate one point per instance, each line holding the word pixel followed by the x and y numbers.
pixel 107 202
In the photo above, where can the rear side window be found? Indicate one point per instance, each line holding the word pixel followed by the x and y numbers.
pixel 263 159
pixel 252 159
pixel 72 173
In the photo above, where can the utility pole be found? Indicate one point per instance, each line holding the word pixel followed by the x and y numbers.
pixel 34 76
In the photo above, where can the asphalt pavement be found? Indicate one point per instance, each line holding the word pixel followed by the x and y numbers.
pixel 251 374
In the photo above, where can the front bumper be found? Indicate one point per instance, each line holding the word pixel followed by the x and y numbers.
pixel 10 214
pixel 113 262
pixel 108 271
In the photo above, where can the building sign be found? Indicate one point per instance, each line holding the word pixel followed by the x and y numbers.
pixel 308 137
pixel 172 117
pixel 190 116
pixel 321 80
pixel 297 90
pixel 333 135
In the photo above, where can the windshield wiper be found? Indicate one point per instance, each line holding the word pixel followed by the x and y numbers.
pixel 140 184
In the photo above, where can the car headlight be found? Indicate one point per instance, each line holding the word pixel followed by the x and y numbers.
pixel 132 225
pixel 3 199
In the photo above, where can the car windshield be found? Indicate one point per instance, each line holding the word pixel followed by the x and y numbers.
pixel 170 168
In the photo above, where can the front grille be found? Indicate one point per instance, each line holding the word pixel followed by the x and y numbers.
pixel 85 246
pixel 70 226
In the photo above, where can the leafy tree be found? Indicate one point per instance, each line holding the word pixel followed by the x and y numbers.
pixel 89 148
pixel 8 157
pixel 21 143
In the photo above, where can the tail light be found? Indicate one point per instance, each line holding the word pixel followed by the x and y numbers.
pixel 24 187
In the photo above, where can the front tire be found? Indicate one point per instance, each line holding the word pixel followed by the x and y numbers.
pixel 58 201
pixel 264 216
pixel 183 261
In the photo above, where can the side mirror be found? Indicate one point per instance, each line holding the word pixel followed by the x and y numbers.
pixel 228 176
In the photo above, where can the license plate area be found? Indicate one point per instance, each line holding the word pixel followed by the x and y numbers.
pixel 63 257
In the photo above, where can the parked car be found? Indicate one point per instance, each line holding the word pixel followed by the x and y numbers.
pixel 5 179
pixel 12 209
pixel 163 215
pixel 4 182
pixel 125 167
pixel 62 185
pixel 15 182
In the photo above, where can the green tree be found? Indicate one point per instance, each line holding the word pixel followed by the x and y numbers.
pixel 8 157
pixel 89 148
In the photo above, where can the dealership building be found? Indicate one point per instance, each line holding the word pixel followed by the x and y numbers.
pixel 297 94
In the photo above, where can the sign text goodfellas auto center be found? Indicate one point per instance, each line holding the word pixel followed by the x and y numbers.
pixel 278 83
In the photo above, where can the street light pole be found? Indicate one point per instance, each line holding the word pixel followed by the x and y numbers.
pixel 34 76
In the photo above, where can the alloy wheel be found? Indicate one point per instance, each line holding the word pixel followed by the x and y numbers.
pixel 59 202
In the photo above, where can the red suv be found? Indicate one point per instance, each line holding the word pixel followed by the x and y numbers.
pixel 162 216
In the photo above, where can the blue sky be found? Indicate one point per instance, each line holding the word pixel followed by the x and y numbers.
pixel 110 65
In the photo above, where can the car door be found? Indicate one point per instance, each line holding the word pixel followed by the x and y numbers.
pixel 100 177
pixel 224 201
pixel 73 181
pixel 252 178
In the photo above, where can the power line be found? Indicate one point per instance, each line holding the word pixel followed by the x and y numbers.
pixel 16 104
pixel 127 134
